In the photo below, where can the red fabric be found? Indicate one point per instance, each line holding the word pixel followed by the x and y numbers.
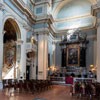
pixel 69 80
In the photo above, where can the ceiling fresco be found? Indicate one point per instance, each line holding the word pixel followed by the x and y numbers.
pixel 74 8
pixel 73 14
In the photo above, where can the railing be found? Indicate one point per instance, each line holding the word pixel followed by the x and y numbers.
pixel 84 79
pixel 57 78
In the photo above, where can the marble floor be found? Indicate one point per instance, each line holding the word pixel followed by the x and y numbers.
pixel 58 92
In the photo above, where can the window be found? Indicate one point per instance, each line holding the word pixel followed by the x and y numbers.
pixel 37 0
pixel 39 10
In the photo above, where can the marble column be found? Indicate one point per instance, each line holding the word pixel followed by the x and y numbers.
pixel 98 53
pixel 1 46
pixel 22 66
pixel 42 56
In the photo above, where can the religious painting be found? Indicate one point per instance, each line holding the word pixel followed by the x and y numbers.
pixel 73 52
pixel 9 54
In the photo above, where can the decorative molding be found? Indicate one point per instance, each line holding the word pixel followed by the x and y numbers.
pixel 97 24
pixel 2 6
pixel 22 22
pixel 19 42
pixel 41 31
pixel 46 18
pixel 25 9
pixel 43 2
pixel 72 18
pixel 32 1
pixel 26 27
pixel 95 9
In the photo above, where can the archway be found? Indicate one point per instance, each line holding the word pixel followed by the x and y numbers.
pixel 11 57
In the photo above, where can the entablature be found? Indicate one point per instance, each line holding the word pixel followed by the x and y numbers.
pixel 1 6
pixel 39 2
pixel 25 9
pixel 46 18
pixel 44 22
pixel 95 8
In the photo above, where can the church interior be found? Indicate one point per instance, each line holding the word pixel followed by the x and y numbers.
pixel 49 49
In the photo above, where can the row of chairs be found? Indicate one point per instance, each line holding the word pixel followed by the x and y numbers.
pixel 87 89
pixel 27 85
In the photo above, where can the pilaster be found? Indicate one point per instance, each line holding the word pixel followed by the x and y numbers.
pixel 42 56
pixel 1 46
pixel 98 53
pixel 22 66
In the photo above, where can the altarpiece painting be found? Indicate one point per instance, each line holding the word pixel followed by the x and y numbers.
pixel 73 52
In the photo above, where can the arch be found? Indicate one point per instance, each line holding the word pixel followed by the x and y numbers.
pixel 10 37
pixel 60 5
pixel 14 23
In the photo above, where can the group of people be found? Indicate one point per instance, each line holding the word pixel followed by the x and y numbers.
pixel 70 78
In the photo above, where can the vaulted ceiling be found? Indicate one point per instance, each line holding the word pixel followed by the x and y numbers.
pixel 70 14
pixel 10 32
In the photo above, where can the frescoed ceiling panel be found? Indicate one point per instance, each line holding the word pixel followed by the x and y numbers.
pixel 73 14
pixel 76 23
pixel 74 8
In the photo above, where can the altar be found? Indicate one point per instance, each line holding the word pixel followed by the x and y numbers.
pixel 73 48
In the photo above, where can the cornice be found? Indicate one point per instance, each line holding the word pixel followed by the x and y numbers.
pixel 25 9
pixel 1 6
pixel 32 2
pixel 73 18
pixel 52 28
pixel 43 2
pixel 51 37
pixel 98 23
pixel 95 9
pixel 44 31
pixel 45 18
pixel 41 31
pixel 64 31
pixel 49 20
pixel 52 31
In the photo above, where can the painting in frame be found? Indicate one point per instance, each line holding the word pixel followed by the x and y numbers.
pixel 73 52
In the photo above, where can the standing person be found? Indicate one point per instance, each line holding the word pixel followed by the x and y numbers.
pixel 69 79
pixel 66 78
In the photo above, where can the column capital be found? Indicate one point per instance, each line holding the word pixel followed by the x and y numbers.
pixel 98 23
pixel 42 32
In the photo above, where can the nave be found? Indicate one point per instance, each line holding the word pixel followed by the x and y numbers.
pixel 57 92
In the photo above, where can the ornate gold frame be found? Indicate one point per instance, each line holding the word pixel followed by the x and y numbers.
pixel 74 47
